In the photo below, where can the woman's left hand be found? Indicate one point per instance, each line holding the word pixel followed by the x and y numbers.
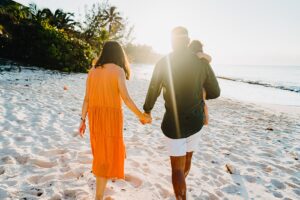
pixel 82 127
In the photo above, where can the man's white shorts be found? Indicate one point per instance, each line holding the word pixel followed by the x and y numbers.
pixel 179 147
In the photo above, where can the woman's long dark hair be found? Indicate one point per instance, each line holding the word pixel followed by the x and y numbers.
pixel 196 46
pixel 112 52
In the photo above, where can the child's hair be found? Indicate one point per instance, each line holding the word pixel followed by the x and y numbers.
pixel 113 52
pixel 196 46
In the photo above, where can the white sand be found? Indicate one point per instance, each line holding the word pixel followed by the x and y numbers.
pixel 41 156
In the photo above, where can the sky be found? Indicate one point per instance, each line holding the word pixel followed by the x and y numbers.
pixel 234 32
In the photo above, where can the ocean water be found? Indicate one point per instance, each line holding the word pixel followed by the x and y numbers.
pixel 281 77
pixel 277 85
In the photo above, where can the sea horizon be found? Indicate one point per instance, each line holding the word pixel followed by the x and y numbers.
pixel 264 88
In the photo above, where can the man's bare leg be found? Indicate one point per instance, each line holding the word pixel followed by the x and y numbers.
pixel 178 179
pixel 188 163
pixel 100 187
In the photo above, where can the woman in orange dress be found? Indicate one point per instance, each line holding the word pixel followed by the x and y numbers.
pixel 105 90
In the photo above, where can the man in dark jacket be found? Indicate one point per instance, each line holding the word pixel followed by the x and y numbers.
pixel 182 76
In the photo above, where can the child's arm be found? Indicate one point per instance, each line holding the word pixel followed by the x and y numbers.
pixel 205 56
pixel 205 109
pixel 204 94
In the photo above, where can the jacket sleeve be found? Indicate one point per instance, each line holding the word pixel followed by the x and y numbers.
pixel 211 84
pixel 154 89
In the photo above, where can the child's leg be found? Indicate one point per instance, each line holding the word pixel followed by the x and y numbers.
pixel 100 187
pixel 205 122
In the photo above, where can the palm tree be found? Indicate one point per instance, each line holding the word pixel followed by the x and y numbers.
pixel 113 19
pixel 59 18
pixel 44 14
pixel 63 20
pixel 95 23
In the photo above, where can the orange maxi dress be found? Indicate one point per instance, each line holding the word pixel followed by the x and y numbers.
pixel 106 122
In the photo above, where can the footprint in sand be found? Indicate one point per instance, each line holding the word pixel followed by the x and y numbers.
pixel 146 169
pixel 219 193
pixel 85 159
pixel 7 160
pixel 204 178
pixel 34 179
pixel 53 152
pixel 91 183
pixel 119 183
pixel 41 179
pixel 56 197
pixel 22 159
pixel 164 193
pixel 2 170
pixel 278 184
pixel 295 180
pixel 65 169
pixel 35 191
pixel 135 164
pixel 75 194
pixel 69 175
pixel 11 183
pixel 212 196
pixel 42 163
pixel 109 192
pixel 64 158
pixel 231 189
pixel 133 180
pixel 297 191
pixel 277 194
pixel 69 194
pixel 250 170
pixel 250 179
pixel 47 178
pixel 20 139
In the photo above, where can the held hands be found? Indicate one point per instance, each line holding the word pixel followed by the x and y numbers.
pixel 145 118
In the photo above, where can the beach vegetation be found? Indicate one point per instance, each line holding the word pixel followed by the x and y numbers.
pixel 54 39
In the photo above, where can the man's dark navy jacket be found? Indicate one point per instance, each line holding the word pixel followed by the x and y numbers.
pixel 182 76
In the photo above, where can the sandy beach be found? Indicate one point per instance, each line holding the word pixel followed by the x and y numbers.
pixel 42 156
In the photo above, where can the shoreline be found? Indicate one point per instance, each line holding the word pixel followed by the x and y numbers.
pixel 291 110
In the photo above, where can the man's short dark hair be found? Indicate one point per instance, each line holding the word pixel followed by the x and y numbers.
pixel 180 38
pixel 180 31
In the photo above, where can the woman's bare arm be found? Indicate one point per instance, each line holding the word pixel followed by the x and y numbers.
pixel 127 99
pixel 84 109
pixel 85 103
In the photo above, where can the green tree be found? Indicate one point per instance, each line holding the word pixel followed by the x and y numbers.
pixel 15 12
pixel 104 22
pixel 113 20
pixel 59 19
pixel 64 20
pixel 52 39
